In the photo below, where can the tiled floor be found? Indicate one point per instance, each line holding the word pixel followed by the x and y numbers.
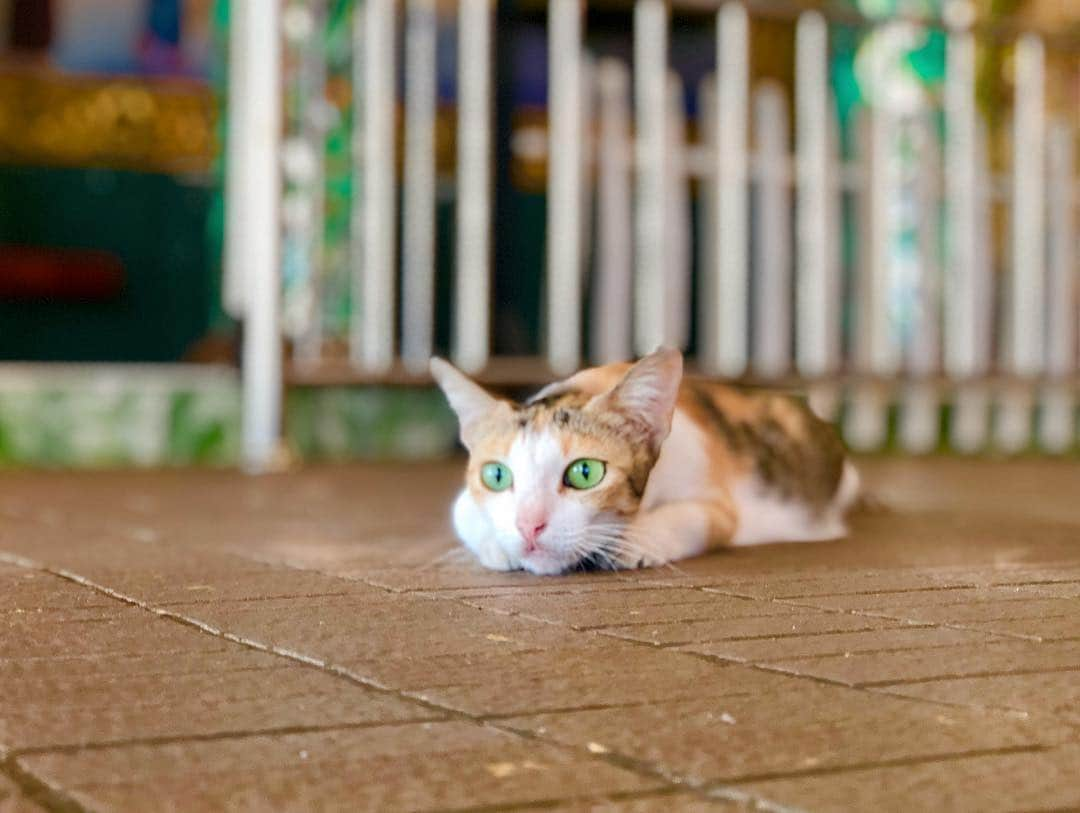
pixel 201 641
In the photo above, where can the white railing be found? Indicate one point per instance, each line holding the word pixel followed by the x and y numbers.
pixel 924 331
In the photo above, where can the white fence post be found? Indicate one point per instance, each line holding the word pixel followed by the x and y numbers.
pixel 254 198
pixel 419 185
pixel 814 311
pixel 706 307
pixel 678 234
pixel 371 345
pixel 471 344
pixel 565 135
pixel 1026 292
pixel 772 233
pixel 650 90
pixel 612 305
pixel 919 412
pixel 732 289
pixel 962 283
pixel 1057 427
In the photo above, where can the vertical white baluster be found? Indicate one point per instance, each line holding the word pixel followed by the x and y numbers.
pixel 372 332
pixel 919 415
pixel 650 84
pixel 254 204
pixel 1057 428
pixel 826 398
pixel 677 222
pixel 733 80
pixel 815 310
pixel 238 166
pixel 1026 293
pixel 473 252
pixel 819 219
pixel 968 423
pixel 772 228
pixel 418 193
pixel 611 309
pixel 565 135
pixel 885 188
pixel 587 194
pixel 971 425
pixel 707 333
pixel 866 423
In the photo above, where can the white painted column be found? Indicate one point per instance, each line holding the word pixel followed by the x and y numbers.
pixel 612 307
pixel 419 187
pixel 254 201
pixel 772 229
pixel 961 291
pixel 471 337
pixel 678 235
pixel 866 423
pixel 920 410
pixel 650 88
pixel 1057 428
pixel 707 333
pixel 1027 289
pixel 371 339
pixel 565 164
pixel 815 312
pixel 733 81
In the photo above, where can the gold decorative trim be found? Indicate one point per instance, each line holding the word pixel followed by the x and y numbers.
pixel 148 125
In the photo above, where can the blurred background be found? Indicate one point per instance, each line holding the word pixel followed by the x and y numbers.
pixel 235 231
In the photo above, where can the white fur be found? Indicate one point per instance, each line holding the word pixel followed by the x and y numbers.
pixel 681 471
pixel 766 517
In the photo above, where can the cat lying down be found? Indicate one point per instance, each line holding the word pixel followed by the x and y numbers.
pixel 628 466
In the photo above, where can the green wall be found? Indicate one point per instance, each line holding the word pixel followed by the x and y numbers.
pixel 156 224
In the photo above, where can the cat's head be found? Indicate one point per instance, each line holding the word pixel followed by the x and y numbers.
pixel 559 476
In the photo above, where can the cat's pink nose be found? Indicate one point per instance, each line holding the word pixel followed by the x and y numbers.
pixel 530 530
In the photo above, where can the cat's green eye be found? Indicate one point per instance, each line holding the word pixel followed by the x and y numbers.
pixel 496 477
pixel 584 473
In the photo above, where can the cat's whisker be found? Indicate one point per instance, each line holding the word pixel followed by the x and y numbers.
pixel 456 552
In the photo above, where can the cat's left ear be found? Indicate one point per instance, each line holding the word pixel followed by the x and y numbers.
pixel 473 404
pixel 646 394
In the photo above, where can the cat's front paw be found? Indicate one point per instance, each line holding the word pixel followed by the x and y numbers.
pixel 638 560
pixel 491 555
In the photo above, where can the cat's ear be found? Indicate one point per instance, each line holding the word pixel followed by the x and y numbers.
pixel 647 392
pixel 473 404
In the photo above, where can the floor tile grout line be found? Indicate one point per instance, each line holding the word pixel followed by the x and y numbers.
pixel 545 804
pixel 775 636
pixel 847 653
pixel 38 791
pixel 900 762
pixel 1054 670
pixel 639 768
pixel 218 736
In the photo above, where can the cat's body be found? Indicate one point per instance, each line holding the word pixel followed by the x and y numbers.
pixel 680 466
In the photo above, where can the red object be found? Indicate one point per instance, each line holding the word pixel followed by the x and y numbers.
pixel 50 274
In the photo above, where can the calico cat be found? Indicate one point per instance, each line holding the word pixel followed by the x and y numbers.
pixel 627 466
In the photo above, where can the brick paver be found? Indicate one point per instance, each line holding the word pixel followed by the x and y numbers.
pixel 204 641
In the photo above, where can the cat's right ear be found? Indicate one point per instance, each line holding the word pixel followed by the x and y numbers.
pixel 473 404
